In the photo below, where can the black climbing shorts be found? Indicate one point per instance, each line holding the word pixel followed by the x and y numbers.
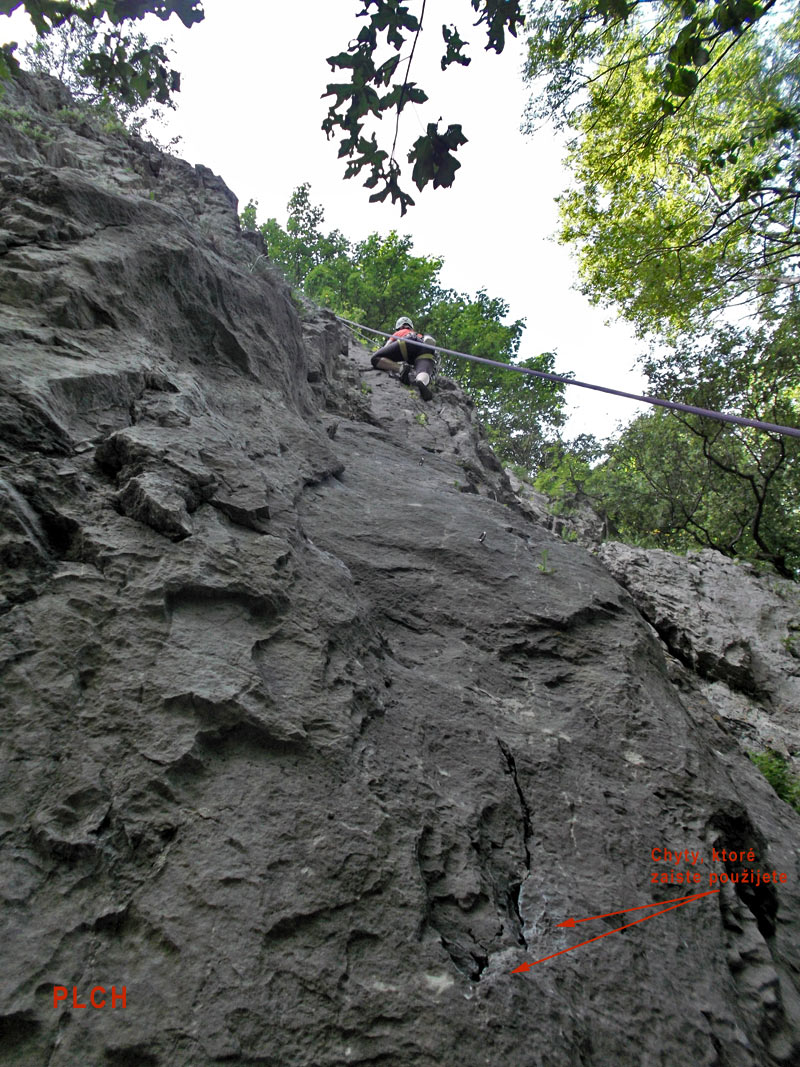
pixel 404 350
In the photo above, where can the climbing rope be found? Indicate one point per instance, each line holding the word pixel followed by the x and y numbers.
pixel 787 431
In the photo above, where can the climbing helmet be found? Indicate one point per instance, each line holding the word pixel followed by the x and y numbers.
pixel 404 320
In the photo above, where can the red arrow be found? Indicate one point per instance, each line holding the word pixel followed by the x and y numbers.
pixel 608 933
pixel 658 903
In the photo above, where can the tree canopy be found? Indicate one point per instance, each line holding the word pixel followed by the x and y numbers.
pixel 679 481
pixel 684 117
pixel 63 53
pixel 686 158
pixel 123 65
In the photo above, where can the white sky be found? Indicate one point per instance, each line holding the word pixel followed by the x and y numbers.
pixel 250 108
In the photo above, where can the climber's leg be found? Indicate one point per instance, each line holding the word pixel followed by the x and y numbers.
pixel 390 358
pixel 384 363
pixel 423 369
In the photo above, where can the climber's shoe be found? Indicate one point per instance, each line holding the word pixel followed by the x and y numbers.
pixel 402 375
pixel 424 390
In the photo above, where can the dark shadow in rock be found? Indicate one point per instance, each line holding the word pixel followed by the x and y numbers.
pixel 62 533
pixel 28 423
pixel 734 832
pixel 131 1056
pixel 17 1030
pixel 190 596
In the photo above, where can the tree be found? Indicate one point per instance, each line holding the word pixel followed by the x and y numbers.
pixel 302 245
pixel 374 280
pixel 685 116
pixel 581 47
pixel 566 470
pixel 64 51
pixel 677 481
pixel 388 29
pixel 122 67
pixel 381 277
pixel 520 411
pixel 686 152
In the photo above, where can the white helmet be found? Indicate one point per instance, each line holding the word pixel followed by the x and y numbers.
pixel 429 340
pixel 404 320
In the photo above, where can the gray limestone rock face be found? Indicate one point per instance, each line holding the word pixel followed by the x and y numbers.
pixel 312 734
pixel 735 631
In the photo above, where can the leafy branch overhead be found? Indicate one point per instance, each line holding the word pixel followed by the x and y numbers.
pixel 122 67
pixel 685 117
pixel 576 45
pixel 390 25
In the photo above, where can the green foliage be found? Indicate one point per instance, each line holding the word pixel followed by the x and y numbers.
pixel 374 280
pixel 515 408
pixel 302 245
pixel 512 404
pixel 685 117
pixel 686 153
pixel 131 70
pixel 25 122
pixel 679 481
pixel 432 156
pixel 124 68
pixel 377 279
pixel 454 46
pixel 775 769
pixel 371 64
pixel 68 52
pixel 248 219
pixel 791 642
pixel 566 471
pixel 572 42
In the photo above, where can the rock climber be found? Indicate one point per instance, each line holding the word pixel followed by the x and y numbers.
pixel 408 356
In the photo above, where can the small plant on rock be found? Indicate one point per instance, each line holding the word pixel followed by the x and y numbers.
pixel 776 770
pixel 791 642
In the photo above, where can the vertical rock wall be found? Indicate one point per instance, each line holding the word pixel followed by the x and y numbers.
pixel 732 636
pixel 310 735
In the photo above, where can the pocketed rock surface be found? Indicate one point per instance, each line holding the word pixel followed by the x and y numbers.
pixel 733 636
pixel 311 734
